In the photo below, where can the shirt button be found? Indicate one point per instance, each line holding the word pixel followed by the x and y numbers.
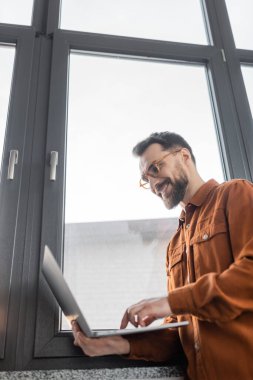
pixel 187 226
pixel 205 236
pixel 196 345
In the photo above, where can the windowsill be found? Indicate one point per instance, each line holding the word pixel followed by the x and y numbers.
pixel 141 373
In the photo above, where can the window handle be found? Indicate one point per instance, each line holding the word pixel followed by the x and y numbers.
pixel 13 160
pixel 53 165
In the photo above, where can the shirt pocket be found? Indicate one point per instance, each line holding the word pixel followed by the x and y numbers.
pixel 176 267
pixel 211 251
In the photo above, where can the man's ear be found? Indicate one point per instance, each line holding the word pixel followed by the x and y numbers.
pixel 186 155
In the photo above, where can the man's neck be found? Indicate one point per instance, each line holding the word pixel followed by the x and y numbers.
pixel 193 186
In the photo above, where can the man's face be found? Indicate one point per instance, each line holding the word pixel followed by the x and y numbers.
pixel 166 174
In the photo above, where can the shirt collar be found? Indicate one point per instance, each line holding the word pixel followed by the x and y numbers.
pixel 199 197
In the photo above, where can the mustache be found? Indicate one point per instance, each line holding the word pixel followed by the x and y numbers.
pixel 159 186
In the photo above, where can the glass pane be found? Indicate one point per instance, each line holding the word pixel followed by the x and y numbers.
pixel 116 233
pixel 240 13
pixel 168 20
pixel 16 12
pixel 247 72
pixel 7 55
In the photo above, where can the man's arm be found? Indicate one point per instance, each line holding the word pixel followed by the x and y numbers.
pixel 159 346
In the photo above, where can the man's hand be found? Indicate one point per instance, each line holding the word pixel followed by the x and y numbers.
pixel 112 345
pixel 145 312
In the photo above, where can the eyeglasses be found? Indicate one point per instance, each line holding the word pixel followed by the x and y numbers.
pixel 154 170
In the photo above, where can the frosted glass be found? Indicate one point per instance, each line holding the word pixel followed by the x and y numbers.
pixel 116 233
pixel 113 104
pixel 169 20
pixel 240 14
pixel 16 12
pixel 7 55
pixel 247 72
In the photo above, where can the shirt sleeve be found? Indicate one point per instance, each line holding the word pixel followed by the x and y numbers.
pixel 225 296
pixel 158 346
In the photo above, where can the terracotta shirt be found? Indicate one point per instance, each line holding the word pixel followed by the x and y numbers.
pixel 210 284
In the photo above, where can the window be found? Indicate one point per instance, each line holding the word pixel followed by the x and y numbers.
pixel 16 12
pixel 7 54
pixel 108 98
pixel 153 19
pixel 109 221
pixel 241 21
pixel 248 80
pixel 89 91
pixel 15 132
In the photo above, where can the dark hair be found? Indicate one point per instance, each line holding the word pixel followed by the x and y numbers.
pixel 166 139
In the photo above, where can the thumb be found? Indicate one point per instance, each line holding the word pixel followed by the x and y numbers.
pixel 147 320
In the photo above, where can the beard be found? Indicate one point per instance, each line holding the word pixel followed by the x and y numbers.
pixel 177 192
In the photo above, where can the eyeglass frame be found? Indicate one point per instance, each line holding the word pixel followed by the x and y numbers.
pixel 154 163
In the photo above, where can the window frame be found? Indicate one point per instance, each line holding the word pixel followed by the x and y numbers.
pixel 31 339
pixel 12 221
pixel 223 38
pixel 50 341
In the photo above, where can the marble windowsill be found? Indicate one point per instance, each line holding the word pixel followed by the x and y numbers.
pixel 142 373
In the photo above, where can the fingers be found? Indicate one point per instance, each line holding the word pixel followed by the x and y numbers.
pixel 75 326
pixel 79 337
pixel 145 312
pixel 124 321
pixel 99 346
pixel 87 345
pixel 143 318
pixel 147 320
pixel 137 315
pixel 129 317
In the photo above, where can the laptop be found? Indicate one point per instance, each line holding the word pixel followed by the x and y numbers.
pixel 70 308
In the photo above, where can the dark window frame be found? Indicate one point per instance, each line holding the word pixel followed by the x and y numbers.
pixel 12 194
pixel 30 337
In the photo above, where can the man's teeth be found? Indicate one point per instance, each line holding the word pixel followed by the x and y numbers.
pixel 163 187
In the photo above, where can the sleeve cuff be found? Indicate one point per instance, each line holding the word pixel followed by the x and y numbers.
pixel 158 346
pixel 181 300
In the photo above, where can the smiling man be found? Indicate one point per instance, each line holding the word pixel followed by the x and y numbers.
pixel 209 268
